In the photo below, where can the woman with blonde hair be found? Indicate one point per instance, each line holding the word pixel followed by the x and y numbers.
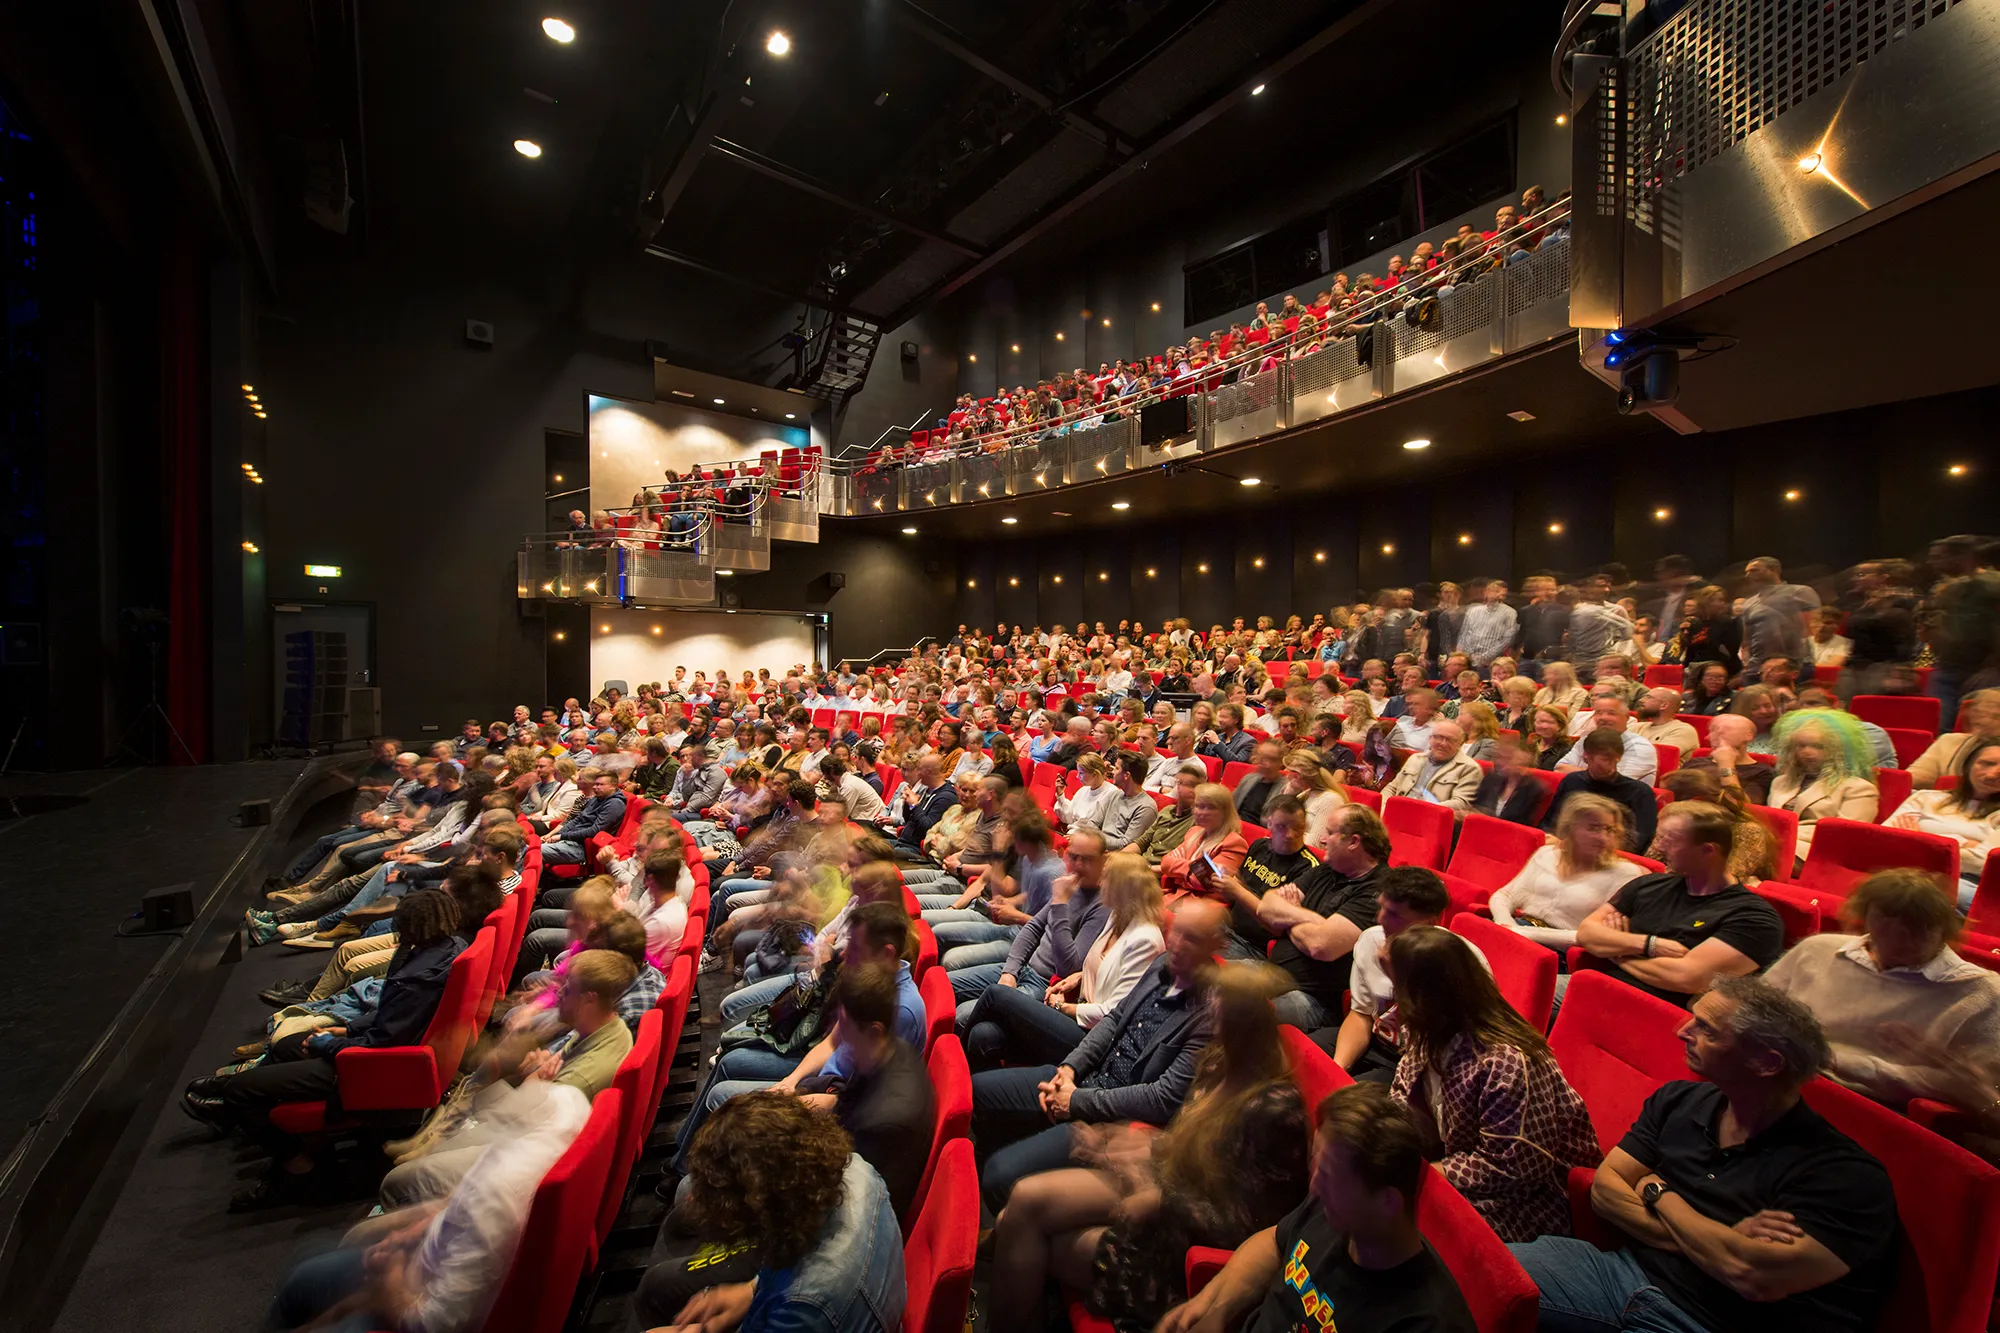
pixel 1517 705
pixel 1482 729
pixel 1752 849
pixel 1571 877
pixel 1359 715
pixel 1826 770
pixel 1213 849
pixel 1093 796
pixel 1319 789
pixel 1560 687
pixel 1118 1224
pixel 1548 735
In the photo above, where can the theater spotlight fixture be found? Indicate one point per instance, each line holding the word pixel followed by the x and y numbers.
pixel 778 44
pixel 558 31
pixel 1416 444
pixel 527 148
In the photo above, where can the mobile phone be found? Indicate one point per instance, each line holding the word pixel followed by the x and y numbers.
pixel 979 906
pixel 1213 868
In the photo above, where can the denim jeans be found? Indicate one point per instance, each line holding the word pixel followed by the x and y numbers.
pixel 969 983
pixel 742 1070
pixel 1947 684
pixel 317 1285
pixel 1586 1290
pixel 562 853
pixel 963 956
pixel 718 903
pixel 1013 1132
pixel 738 1004
pixel 1297 1009
pixel 1006 1024
pixel 377 887
pixel 958 930
pixel 941 902
pixel 322 849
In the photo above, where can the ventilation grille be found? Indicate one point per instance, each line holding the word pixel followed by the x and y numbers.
pixel 1723 69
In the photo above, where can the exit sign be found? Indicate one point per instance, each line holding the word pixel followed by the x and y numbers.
pixel 323 571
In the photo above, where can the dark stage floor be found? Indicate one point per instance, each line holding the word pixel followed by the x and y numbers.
pixel 71 871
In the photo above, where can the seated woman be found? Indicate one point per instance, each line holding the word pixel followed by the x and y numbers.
pixel 1517 705
pixel 1093 795
pixel 1506 1123
pixel 1560 687
pixel 1319 790
pixel 1508 792
pixel 1826 770
pixel 1019 1028
pixel 1899 1007
pixel 1968 814
pixel 1120 1222
pixel 1570 878
pixel 1213 849
pixel 1482 729
pixel 1548 735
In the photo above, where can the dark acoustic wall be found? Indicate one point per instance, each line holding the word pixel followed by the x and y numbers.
pixel 898 588
pixel 1870 483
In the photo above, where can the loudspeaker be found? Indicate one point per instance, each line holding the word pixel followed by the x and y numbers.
pixel 170 908
pixel 479 333
pixel 253 814
pixel 1163 422
pixel 836 580
pixel 909 351
pixel 364 712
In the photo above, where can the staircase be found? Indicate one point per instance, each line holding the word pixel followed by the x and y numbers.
pixel 847 350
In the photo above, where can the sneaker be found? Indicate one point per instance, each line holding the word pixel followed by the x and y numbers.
pixel 710 962
pixel 228 1070
pixel 291 992
pixel 289 896
pixel 264 932
pixel 258 917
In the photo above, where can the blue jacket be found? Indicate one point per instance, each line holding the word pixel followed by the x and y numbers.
pixel 1235 749
pixel 852 1281
pixel 917 821
pixel 1159 1081
pixel 409 998
pixel 599 814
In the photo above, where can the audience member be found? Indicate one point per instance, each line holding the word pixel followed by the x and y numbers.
pixel 1316 919
pixel 1564 882
pixel 1942 757
pixel 1213 848
pixel 1602 751
pixel 1824 771
pixel 1968 814
pixel 1367 1043
pixel 1440 773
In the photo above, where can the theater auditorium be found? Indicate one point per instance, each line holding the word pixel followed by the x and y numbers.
pixel 986 666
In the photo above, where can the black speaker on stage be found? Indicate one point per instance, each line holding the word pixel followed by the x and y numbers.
pixel 253 814
pixel 171 908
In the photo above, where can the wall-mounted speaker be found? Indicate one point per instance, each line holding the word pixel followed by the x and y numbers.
pixel 479 334
pixel 836 580
pixel 909 351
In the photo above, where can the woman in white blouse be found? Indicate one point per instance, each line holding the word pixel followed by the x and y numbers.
pixel 1316 786
pixel 1127 946
pixel 1092 797
pixel 1559 687
pixel 1968 814
pixel 1570 878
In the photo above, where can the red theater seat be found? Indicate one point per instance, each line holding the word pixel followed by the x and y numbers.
pixel 1847 851
pixel 1313 1069
pixel 1419 832
pixel 559 1240
pixel 1490 852
pixel 940 1006
pixel 1616 1044
pixel 1914 712
pixel 939 1254
pixel 1524 971
pixel 951 1084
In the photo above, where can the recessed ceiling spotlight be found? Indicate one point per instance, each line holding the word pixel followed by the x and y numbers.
pixel 1107 321
pixel 251 547
pixel 527 148
pixel 1103 577
pixel 658 630
pixel 1059 336
pixel 1121 504
pixel 1662 514
pixel 909 532
pixel 248 387
pixel 558 31
pixel 1956 470
pixel 1201 569
pixel 1465 539
pixel 1319 557
pixel 1562 119
pixel 1013 583
pixel 971 357
pixel 1258 91
pixel 1152 573
pixel 1416 444
pixel 1520 416
pixel 1017 347
pixel 778 44
pixel 1792 496
pixel 1555 529
pixel 1249 481
pixel 1258 563
pixel 1010 520
pixel 1156 307
pixel 718 402
pixel 1388 548
pixel 1058 578
pixel 790 415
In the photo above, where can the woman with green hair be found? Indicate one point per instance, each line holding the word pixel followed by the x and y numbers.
pixel 1825 770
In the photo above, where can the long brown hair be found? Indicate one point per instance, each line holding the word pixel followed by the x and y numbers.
pixel 1242 1059
pixel 1442 993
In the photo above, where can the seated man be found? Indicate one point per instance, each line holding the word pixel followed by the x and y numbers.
pixel 1170 826
pixel 1672 934
pixel 1316 919
pixel 697 785
pixel 1746 1209
pixel 1367 1043
pixel 1271 861
pixel 888 1109
pixel 1603 750
pixel 1124 819
pixel 1005 895
pixel 602 813
pixel 773 1178
pixel 919 806
pixel 1352 1246
pixel 1053 943
pixel 1636 759
pixel 1137 1063
pixel 390 802
pixel 1441 773
pixel 1729 757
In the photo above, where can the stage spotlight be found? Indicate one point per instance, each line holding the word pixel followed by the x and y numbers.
pixel 527 148
pixel 778 44
pixel 558 31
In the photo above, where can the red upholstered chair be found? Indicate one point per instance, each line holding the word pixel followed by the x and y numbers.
pixel 637 1074
pixel 1213 765
pixel 1252 832
pixel 1699 721
pixel 892 778
pixel 1916 712
pixel 1524 971
pixel 1490 852
pixel 559 1240
pixel 940 1005
pixel 1846 851
pixel 913 908
pixel 1234 773
pixel 1783 827
pixel 1673 676
pixel 1949 1204
pixel 404 1078
pixel 1419 832
pixel 1799 909
pixel 1548 783
pixel 951 1085
pixel 1985 914
pixel 1366 797
pixel 1669 758
pixel 1910 744
pixel 823 717
pixel 1645 863
pixel 1892 786
pixel 1616 1045
pixel 1161 800
pixel 673 1011
pixel 1313 1069
pixel 501 922
pixel 939 1253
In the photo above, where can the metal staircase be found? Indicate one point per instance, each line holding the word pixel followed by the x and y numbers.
pixel 847 350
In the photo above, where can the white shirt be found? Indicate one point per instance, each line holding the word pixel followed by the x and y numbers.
pixel 1113 971
pixel 1163 773
pixel 1369 984
pixel 1087 806
pixel 863 805
pixel 1640 759
pixel 1408 734
pixel 1541 892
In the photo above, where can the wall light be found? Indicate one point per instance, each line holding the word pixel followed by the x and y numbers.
pixel 1152 573
pixel 560 636
pixel 1013 583
pixel 1121 504
pixel 1258 91
pixel 1017 347
pixel 1956 470
pixel 1562 119
pixel 1388 548
pixel 1103 577
pixel 657 630
pixel 1319 557
pixel 909 532
pixel 1810 163
pixel 1249 481
pixel 559 31
pixel 605 628
pixel 972 583
pixel 1107 322
pixel 1662 514
pixel 1792 496
pixel 1555 529
pixel 527 148
pixel 1059 336
pixel 1156 307
pixel 1416 444
pixel 778 44
pixel 559 477
pixel 1258 563
pixel 1010 520
pixel 1201 569
pixel 972 358
pixel 1058 578
pixel 1465 539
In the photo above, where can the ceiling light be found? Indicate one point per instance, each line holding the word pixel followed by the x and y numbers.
pixel 1107 321
pixel 1520 416
pixel 1319 556
pixel 1103 577
pixel 1792 495
pixel 657 630
pixel 559 31
pixel 1152 573
pixel 778 44
pixel 560 636
pixel 1258 91
pixel 251 547
pixel 259 480
pixel 248 468
pixel 1555 529
pixel 1562 120
pixel 1956 470
pixel 1058 578
pixel 725 573
pixel 1201 569
pixel 1810 163
pixel 1416 444
pixel 1010 521
pixel 1249 481
pixel 1121 504
pixel 1661 515
pixel 909 532
pixel 790 415
pixel 1059 336
pixel 1013 583
pixel 1388 548
pixel 1017 347
pixel 718 402
pixel 1156 307
pixel 527 148
pixel 248 387
pixel 1258 563
pixel 972 583
pixel 1465 539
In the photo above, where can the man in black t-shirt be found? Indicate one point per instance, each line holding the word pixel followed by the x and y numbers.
pixel 1350 1257
pixel 1671 935
pixel 1270 862
pixel 1317 918
pixel 1747 1209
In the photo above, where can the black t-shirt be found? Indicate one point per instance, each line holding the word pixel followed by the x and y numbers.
pixel 1264 870
pixel 1838 1194
pixel 1322 1288
pixel 1328 892
pixel 1250 798
pixel 890 1114
pixel 1661 905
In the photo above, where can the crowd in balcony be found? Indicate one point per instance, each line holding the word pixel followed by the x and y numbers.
pixel 1248 937
pixel 1298 327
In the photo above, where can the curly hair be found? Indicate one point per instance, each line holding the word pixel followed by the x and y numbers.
pixel 424 918
pixel 1847 752
pixel 766 1170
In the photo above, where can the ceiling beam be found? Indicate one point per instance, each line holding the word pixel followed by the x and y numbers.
pixel 907 14
pixel 718 95
pixel 798 180
pixel 1238 86
pixel 703 266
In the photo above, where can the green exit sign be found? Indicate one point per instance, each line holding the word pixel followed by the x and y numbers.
pixel 323 571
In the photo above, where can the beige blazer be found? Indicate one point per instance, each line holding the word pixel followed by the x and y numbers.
pixel 1453 784
pixel 1852 798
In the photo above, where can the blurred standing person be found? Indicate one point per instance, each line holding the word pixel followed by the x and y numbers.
pixel 1963 620
pixel 1882 630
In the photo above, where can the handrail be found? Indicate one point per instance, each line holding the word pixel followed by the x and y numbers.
pixel 913 650
pixel 1281 346
pixel 891 428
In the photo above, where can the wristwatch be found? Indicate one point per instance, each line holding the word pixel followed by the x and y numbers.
pixel 1650 1195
